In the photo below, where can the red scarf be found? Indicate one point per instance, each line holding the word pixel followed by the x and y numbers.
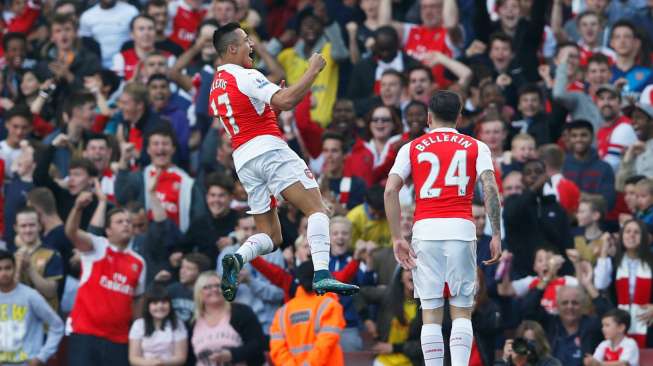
pixel 640 298
pixel 345 188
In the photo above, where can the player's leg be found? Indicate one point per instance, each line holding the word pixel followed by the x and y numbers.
pixel 461 276
pixel 431 337
pixel 309 200
pixel 267 223
pixel 428 279
pixel 462 334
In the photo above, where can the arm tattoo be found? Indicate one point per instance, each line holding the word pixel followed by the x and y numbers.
pixel 491 198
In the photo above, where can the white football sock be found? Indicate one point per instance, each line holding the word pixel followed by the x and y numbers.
pixel 432 344
pixel 255 245
pixel 460 343
pixel 319 241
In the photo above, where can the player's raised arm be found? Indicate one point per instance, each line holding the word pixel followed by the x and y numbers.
pixel 287 98
pixel 493 209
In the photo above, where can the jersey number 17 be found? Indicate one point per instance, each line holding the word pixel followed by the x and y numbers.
pixel 223 99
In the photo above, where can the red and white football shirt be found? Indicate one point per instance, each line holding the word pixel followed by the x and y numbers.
pixel 626 350
pixel 110 279
pixel 185 21
pixel 420 40
pixel 444 165
pixel 549 298
pixel 240 98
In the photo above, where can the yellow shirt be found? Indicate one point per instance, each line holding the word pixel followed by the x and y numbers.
pixel 367 229
pixel 399 334
pixel 324 88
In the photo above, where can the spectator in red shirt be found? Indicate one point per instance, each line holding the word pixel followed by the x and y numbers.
pixel 126 62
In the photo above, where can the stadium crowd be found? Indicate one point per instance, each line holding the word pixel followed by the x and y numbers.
pixel 120 196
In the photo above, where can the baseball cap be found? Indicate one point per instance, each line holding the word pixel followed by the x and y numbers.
pixel 607 87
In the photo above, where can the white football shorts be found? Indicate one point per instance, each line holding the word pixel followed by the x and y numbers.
pixel 269 174
pixel 440 261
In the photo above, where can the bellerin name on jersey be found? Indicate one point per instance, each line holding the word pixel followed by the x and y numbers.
pixel 433 138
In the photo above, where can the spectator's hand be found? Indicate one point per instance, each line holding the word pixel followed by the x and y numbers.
pixel 93 83
pixel 360 251
pixel 175 259
pixel 127 153
pixel 163 276
pixel 573 255
pixel 151 188
pixel 404 253
pixel 382 348
pixel 506 158
pixel 432 58
pixel 61 71
pixel 589 360
pixel 606 247
pixel 6 103
pixel 244 276
pixel 507 350
pixel 504 80
pixel 224 242
pixel 352 28
pixel 634 150
pixel 61 140
pixel 101 197
pixel 221 357
pixel 316 62
pixel 585 274
pixel 620 83
pixel 84 199
pixel 647 315
pixel 495 250
pixel 24 164
pixel 555 263
pixel 544 71
pixel 475 48
pixel 289 256
pixel 370 327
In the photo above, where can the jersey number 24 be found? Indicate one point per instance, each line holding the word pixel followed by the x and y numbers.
pixel 456 174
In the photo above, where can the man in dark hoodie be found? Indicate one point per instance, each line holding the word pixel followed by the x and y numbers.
pixel 583 165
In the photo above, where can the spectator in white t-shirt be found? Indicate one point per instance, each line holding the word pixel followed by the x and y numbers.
pixel 108 22
pixel 158 337
pixel 18 122
pixel 617 348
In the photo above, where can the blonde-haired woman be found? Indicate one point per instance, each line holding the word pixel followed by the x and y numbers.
pixel 223 332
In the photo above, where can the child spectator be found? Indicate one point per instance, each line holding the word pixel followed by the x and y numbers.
pixel 158 338
pixel 181 292
pixel 546 266
pixel 617 348
pixel 588 238
pixel 522 149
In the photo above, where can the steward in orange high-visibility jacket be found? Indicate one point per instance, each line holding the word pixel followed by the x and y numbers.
pixel 306 330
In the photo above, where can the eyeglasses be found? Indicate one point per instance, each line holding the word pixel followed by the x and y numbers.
pixel 381 119
pixel 570 302
pixel 211 287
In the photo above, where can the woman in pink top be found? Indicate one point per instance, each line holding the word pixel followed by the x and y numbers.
pixel 224 333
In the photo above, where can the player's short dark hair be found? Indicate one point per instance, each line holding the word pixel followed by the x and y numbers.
pixel 42 198
pixel 202 262
pixel 137 17
pixel 445 106
pixel 5 255
pixel 224 37
pixel 84 164
pixel 21 111
pixel 620 316
pixel 217 179
pixel 421 67
pixel 13 36
pixel 579 124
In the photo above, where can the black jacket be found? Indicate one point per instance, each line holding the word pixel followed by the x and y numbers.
pixel 543 128
pixel 532 220
pixel 204 232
